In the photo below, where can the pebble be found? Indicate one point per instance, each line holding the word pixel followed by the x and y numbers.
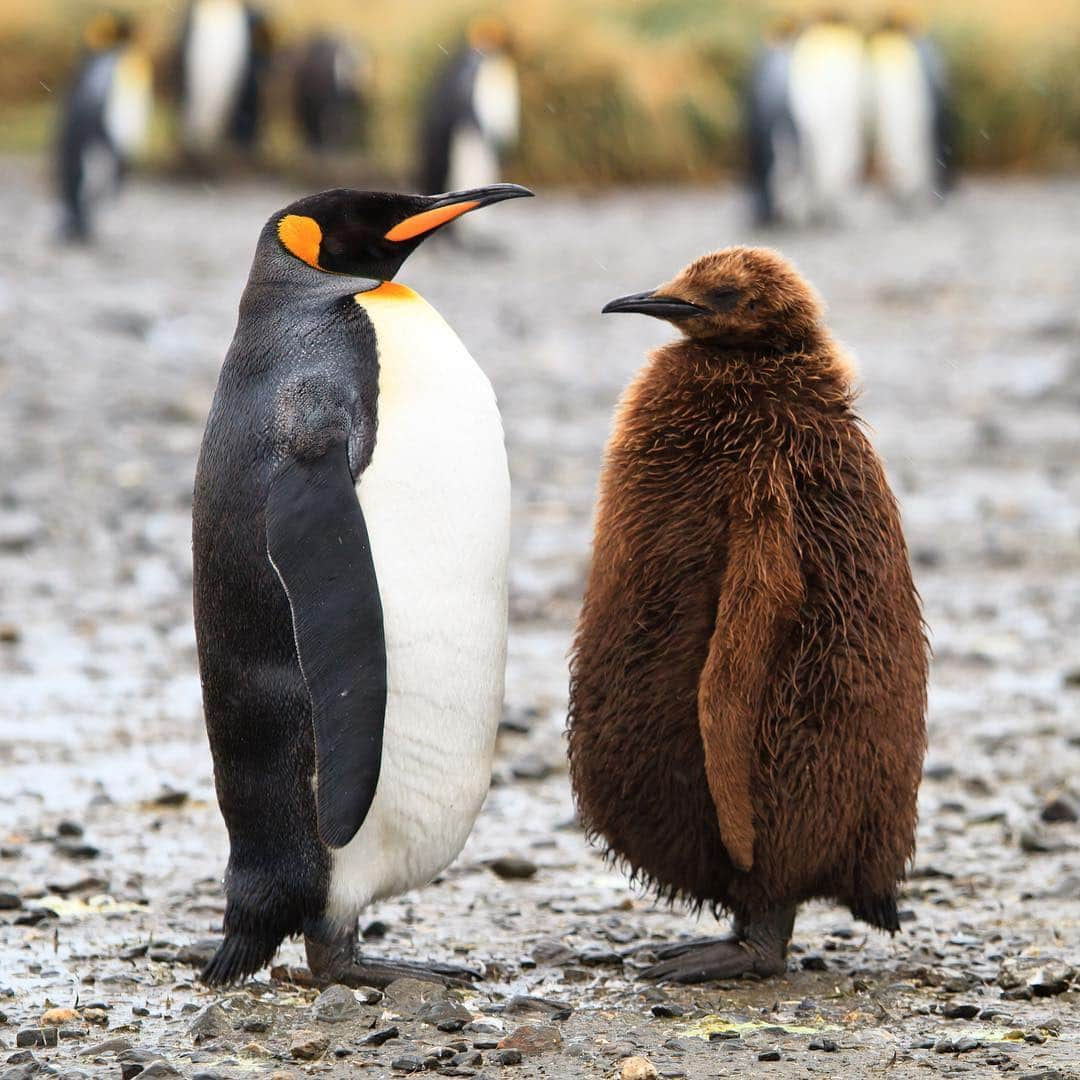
pixel 531 767
pixel 210 1024
pixel 533 1039
pixel 78 850
pixel 308 1046
pixel 37 1036
pixel 197 953
pixel 336 1004
pixel 507 1056
pixel 109 1046
pixel 960 1011
pixel 1052 978
pixel 158 1069
pixel 407 1064
pixel 814 962
pixel 1060 809
pixel 445 1015
pixel 769 1055
pixel 512 867
pixel 667 1012
pixel 527 1005
pixel 377 1038
pixel 10 901
pixel 829 1046
pixel 1034 842
pixel 638 1068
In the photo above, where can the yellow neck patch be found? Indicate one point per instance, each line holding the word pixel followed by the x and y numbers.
pixel 301 236
pixel 388 290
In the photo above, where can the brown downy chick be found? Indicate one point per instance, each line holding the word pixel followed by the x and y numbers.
pixel 748 679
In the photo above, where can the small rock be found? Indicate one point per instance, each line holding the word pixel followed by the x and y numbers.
pixel 10 901
pixel 67 827
pixel 1035 843
pixel 210 1024
pixel 814 962
pixel 407 1064
pixel 512 868
pixel 960 1011
pixel 966 1044
pixel 531 767
pixel 254 1025
pixel 527 1005
pixel 197 953
pixel 638 1068
pixel 171 797
pixel 467 1059
pixel 158 1069
pixel 409 994
pixel 76 849
pixel 377 1038
pixel 18 531
pixel 533 1039
pixel 769 1055
pixel 445 1015
pixel 56 1017
pixel 507 1056
pixel 944 1046
pixel 1060 809
pixel 599 957
pixel 667 1011
pixel 374 930
pixel 335 1005
pixel 829 1046
pixel 10 634
pixel 1051 979
pixel 37 1036
pixel 308 1046
pixel 109 1046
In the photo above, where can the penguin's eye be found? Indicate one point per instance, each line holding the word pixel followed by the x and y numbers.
pixel 725 299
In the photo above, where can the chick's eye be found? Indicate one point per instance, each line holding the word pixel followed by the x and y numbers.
pixel 724 299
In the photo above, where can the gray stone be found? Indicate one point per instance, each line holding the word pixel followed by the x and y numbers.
pixel 335 1005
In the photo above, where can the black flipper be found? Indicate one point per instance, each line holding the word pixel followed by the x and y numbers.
pixel 318 544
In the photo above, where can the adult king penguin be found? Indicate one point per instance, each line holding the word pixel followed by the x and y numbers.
pixel 224 52
pixel 772 140
pixel 350 534
pixel 104 120
pixel 470 119
pixel 911 114
pixel 748 679
pixel 331 93
pixel 828 104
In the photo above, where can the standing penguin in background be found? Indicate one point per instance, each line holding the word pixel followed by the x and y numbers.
pixel 772 141
pixel 828 103
pixel 224 51
pixel 912 114
pixel 104 120
pixel 470 119
pixel 748 678
pixel 329 94
pixel 350 537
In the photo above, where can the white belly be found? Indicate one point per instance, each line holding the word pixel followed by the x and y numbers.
pixel 127 109
pixel 436 500
pixel 216 56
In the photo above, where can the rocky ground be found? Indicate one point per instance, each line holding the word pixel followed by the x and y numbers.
pixel 965 325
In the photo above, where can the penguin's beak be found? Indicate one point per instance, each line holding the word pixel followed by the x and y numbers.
pixel 655 304
pixel 442 209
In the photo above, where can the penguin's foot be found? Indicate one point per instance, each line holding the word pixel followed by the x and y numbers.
pixel 335 961
pixel 758 950
pixel 681 948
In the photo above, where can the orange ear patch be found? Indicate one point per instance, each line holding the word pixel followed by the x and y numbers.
pixel 301 236
pixel 427 220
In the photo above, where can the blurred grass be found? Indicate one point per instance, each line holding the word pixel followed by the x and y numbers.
pixel 614 90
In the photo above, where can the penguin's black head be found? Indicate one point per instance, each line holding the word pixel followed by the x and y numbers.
pixel 737 295
pixel 371 233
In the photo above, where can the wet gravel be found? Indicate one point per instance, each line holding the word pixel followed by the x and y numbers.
pixel 966 327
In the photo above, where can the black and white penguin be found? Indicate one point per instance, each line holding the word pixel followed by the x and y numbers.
pixel 471 115
pixel 911 113
pixel 330 93
pixel 828 104
pixel 772 141
pixel 350 535
pixel 104 121
pixel 224 52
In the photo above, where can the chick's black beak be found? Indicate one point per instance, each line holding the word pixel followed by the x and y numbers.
pixel 442 209
pixel 655 304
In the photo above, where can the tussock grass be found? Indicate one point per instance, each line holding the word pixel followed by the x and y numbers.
pixel 614 90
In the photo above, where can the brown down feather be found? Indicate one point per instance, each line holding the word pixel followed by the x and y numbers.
pixel 748 677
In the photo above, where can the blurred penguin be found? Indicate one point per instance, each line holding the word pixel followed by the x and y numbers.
pixel 330 94
pixel 224 52
pixel 104 120
pixel 471 116
pixel 828 88
pixel 911 111
pixel 773 143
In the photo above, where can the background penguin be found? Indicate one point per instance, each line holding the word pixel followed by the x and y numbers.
pixel 772 141
pixel 104 120
pixel 224 52
pixel 329 94
pixel 828 102
pixel 911 113
pixel 350 535
pixel 748 679
pixel 470 119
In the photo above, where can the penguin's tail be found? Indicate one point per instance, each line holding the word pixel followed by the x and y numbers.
pixel 879 911
pixel 239 956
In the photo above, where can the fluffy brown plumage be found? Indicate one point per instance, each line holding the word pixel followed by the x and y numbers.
pixel 748 679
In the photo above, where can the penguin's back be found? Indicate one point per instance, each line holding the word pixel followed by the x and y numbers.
pixel 436 500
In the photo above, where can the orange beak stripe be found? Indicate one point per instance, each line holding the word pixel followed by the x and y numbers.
pixel 301 236
pixel 427 220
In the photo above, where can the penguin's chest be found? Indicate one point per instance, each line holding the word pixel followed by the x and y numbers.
pixel 436 501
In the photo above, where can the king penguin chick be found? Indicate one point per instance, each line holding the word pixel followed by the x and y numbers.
pixel 104 120
pixel 470 118
pixel 911 113
pixel 350 535
pixel 748 678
